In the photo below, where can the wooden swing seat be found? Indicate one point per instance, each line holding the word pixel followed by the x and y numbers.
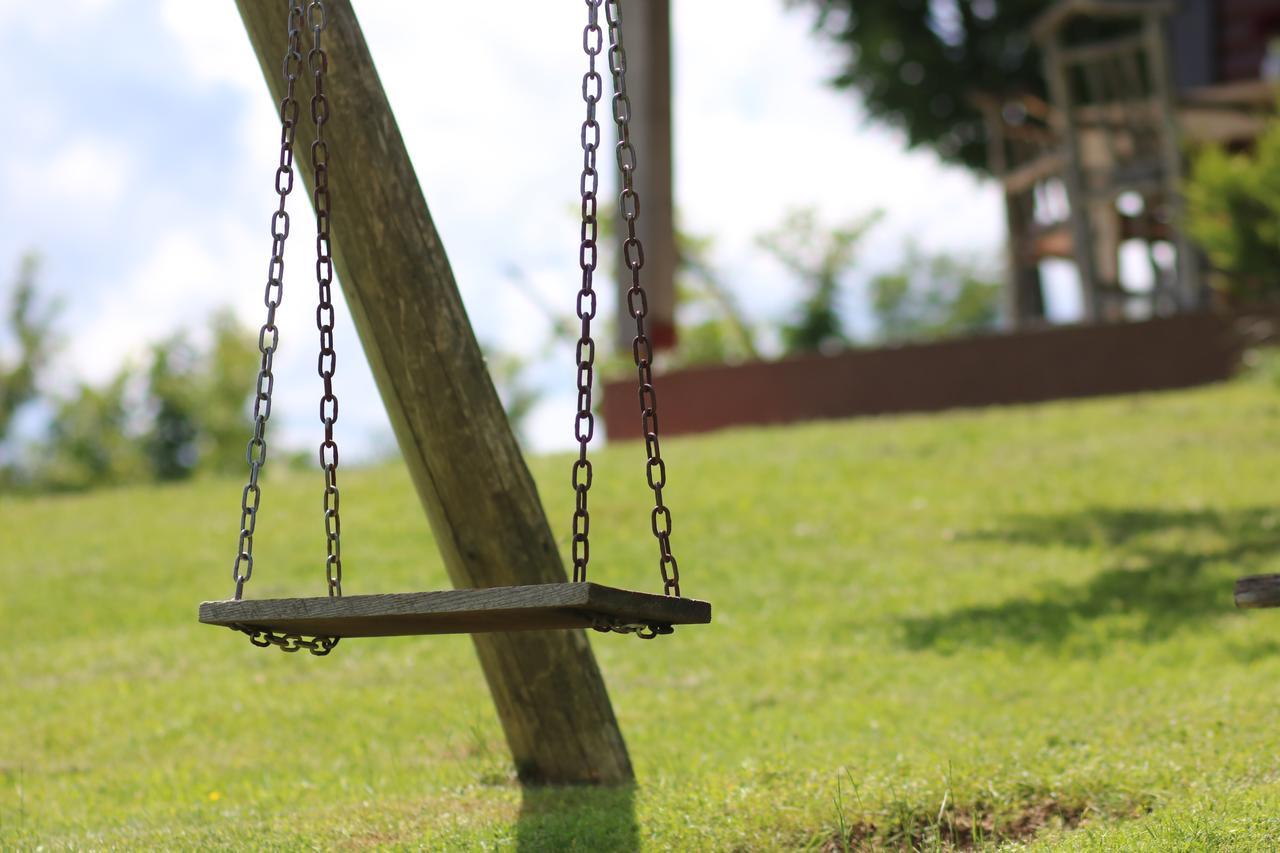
pixel 1258 591
pixel 539 607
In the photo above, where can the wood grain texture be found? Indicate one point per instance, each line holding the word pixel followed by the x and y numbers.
pixel 458 611
pixel 460 452
pixel 1258 591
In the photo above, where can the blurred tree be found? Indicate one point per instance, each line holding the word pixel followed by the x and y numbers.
pixel 511 372
pixel 713 327
pixel 511 375
pixel 199 402
pixel 820 257
pixel 92 439
pixel 30 321
pixel 224 415
pixel 1233 211
pixel 187 412
pixel 171 440
pixel 934 296
pixel 916 63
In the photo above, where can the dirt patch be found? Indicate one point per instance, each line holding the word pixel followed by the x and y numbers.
pixel 957 829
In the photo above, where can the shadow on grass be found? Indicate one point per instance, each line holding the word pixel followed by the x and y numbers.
pixel 577 818
pixel 1162 573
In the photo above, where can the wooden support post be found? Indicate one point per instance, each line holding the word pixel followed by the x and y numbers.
pixel 647 33
pixel 1023 297
pixel 1073 177
pixel 1189 290
pixel 1024 293
pixel 461 454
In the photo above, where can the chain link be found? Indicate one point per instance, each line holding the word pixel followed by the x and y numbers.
pixel 637 302
pixel 262 638
pixel 588 186
pixel 269 334
pixel 643 630
pixel 327 362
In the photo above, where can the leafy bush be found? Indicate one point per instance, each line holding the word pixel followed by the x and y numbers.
pixel 820 257
pixel 935 296
pixel 1233 212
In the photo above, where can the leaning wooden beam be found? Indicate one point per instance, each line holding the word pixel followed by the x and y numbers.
pixel 461 454
pixel 1258 591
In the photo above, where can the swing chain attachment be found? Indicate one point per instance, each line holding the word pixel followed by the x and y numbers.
pixel 262 638
pixel 637 303
pixel 315 16
pixel 643 630
pixel 589 185
pixel 327 362
pixel 269 334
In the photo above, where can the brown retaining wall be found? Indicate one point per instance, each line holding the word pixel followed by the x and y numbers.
pixel 1018 367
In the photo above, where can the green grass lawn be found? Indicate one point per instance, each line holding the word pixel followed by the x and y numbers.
pixel 1008 627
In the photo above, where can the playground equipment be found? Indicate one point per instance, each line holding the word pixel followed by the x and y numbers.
pixel 317 624
pixel 457 445
pixel 1256 591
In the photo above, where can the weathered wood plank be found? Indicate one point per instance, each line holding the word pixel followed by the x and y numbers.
pixel 1258 591
pixel 464 461
pixel 459 611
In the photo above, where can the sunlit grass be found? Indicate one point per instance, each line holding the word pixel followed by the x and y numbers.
pixel 959 628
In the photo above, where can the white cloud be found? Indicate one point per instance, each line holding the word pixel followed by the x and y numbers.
pixel 213 43
pixel 170 286
pixel 38 19
pixel 83 172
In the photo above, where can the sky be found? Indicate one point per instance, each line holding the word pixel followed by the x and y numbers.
pixel 140 145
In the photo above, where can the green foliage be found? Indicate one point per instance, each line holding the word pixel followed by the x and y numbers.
pixel 224 415
pixel 820 257
pixel 976 625
pixel 199 402
pixel 511 377
pixel 1233 211
pixel 713 327
pixel 934 296
pixel 30 324
pixel 187 412
pixel 92 439
pixel 917 63
pixel 171 439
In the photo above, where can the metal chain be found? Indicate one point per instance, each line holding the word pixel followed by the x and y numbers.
pixel 269 334
pixel 588 186
pixel 327 363
pixel 643 630
pixel 637 303
pixel 262 638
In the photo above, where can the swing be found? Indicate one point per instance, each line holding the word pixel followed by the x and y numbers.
pixel 317 624
pixel 1255 591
